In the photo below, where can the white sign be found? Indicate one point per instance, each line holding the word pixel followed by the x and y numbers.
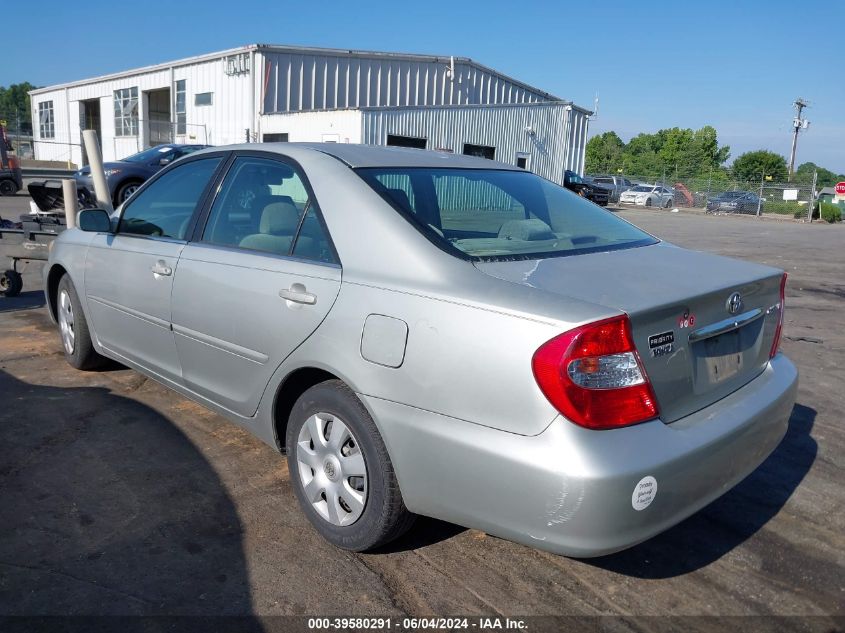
pixel 790 194
pixel 644 493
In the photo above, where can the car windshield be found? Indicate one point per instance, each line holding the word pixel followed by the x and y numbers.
pixel 574 178
pixel 485 214
pixel 642 188
pixel 603 180
pixel 734 194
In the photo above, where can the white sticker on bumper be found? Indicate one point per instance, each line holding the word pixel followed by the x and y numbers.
pixel 644 493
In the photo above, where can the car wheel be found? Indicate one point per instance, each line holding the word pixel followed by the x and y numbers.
pixel 668 204
pixel 125 190
pixel 11 283
pixel 73 327
pixel 8 187
pixel 341 472
pixel 648 202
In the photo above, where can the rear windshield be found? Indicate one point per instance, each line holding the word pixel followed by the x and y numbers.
pixel 495 214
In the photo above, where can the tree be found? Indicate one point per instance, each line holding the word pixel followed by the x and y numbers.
pixel 673 153
pixel 14 103
pixel 754 165
pixel 604 153
pixel 826 178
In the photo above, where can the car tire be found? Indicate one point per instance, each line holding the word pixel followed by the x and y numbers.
pixel 125 190
pixel 349 492
pixel 668 204
pixel 73 329
pixel 8 187
pixel 648 202
pixel 11 283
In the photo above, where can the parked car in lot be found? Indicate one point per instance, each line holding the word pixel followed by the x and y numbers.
pixel 616 184
pixel 124 176
pixel 592 192
pixel 436 334
pixel 646 195
pixel 735 202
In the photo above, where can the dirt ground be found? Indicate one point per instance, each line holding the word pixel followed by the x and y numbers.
pixel 120 497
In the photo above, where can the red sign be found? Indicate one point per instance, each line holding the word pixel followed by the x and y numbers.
pixel 840 188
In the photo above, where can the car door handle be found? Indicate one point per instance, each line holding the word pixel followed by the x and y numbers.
pixel 161 268
pixel 298 294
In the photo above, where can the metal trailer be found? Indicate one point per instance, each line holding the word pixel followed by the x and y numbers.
pixel 31 243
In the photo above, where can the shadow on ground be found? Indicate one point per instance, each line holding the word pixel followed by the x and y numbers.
pixel 730 520
pixel 108 509
pixel 26 300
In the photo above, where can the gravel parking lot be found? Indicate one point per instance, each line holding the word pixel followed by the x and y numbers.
pixel 118 496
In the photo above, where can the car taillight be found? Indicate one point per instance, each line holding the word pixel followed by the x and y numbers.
pixel 594 376
pixel 781 306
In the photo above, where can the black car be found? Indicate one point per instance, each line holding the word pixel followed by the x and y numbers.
pixel 126 175
pixel 735 202
pixel 591 191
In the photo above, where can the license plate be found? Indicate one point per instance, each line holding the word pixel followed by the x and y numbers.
pixel 723 357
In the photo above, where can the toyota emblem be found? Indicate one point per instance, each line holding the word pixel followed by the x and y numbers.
pixel 734 304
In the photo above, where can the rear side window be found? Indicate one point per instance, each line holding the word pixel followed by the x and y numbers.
pixel 499 214
pixel 165 207
pixel 264 206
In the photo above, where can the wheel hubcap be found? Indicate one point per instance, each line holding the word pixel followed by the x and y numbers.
pixel 66 321
pixel 128 191
pixel 332 469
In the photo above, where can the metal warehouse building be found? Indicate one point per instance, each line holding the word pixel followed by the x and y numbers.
pixel 264 93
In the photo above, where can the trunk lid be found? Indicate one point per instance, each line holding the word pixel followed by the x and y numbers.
pixel 694 349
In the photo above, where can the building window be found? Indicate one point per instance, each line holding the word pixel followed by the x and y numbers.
pixel 482 151
pixel 180 107
pixel 46 126
pixel 203 98
pixel 406 141
pixel 126 112
pixel 522 160
pixel 281 137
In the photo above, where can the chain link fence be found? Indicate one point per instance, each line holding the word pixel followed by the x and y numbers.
pixel 721 193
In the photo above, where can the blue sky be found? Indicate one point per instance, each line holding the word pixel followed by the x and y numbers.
pixel 736 65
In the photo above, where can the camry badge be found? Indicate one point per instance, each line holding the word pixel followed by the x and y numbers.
pixel 734 304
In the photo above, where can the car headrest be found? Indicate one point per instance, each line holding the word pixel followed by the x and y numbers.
pixel 279 218
pixel 527 230
pixel 401 198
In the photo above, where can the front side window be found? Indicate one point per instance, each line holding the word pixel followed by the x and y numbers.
pixel 126 112
pixel 165 207
pixel 46 125
pixel 498 214
pixel 264 206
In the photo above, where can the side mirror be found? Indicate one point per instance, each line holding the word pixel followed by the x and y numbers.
pixel 94 221
pixel 164 161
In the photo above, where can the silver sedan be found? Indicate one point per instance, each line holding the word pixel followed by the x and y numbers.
pixel 440 335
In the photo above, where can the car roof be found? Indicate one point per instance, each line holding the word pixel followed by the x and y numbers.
pixel 375 155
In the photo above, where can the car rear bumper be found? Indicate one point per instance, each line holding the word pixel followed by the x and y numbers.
pixel 570 490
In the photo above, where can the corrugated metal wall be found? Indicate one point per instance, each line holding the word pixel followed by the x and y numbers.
pixel 293 82
pixel 551 135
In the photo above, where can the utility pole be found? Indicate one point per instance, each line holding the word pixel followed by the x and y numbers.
pixel 798 124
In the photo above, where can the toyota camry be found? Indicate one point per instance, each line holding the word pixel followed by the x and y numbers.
pixel 429 334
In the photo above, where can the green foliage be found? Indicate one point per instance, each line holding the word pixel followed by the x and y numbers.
pixel 831 212
pixel 785 207
pixel 753 165
pixel 14 100
pixel 674 152
pixel 604 153
pixel 826 178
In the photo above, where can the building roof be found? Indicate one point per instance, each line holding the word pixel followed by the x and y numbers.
pixel 301 50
